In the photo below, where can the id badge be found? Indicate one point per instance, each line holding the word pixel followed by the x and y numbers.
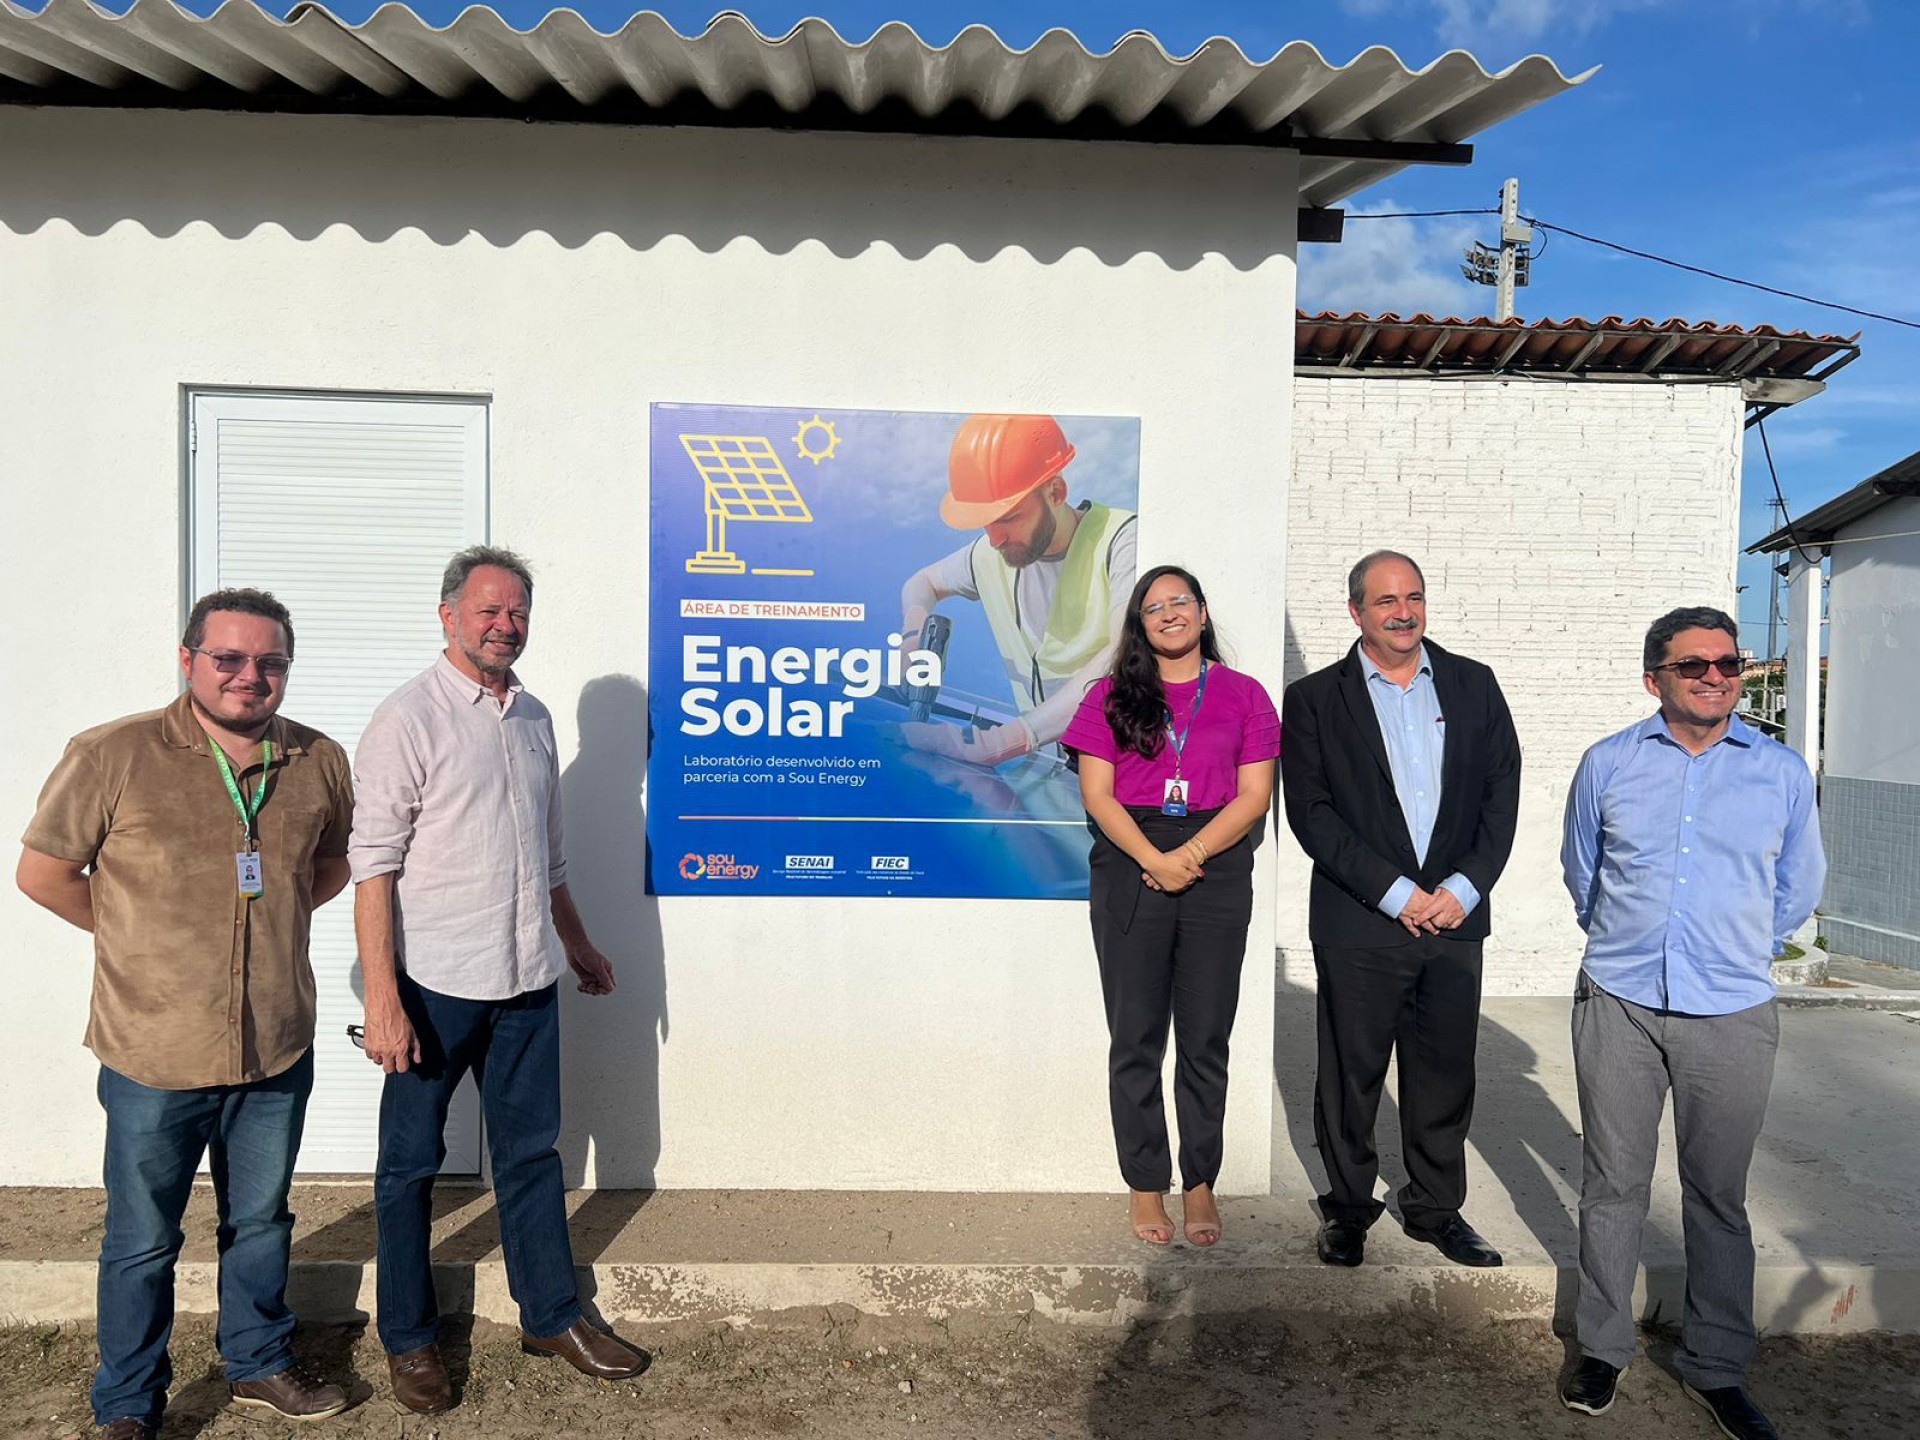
pixel 1174 801
pixel 253 881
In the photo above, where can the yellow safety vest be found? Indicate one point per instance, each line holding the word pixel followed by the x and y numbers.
pixel 1076 630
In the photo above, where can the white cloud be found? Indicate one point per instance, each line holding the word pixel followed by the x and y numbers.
pixel 1506 23
pixel 1871 402
pixel 1461 22
pixel 1406 266
pixel 1804 441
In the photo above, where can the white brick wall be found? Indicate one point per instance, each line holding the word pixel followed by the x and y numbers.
pixel 1553 521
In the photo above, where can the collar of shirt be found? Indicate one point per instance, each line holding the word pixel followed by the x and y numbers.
pixel 180 727
pixel 1374 672
pixel 1655 727
pixel 464 687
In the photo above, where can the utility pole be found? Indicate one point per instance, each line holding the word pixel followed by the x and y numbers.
pixel 1774 572
pixel 1511 265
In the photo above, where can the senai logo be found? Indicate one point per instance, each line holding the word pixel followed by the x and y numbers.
pixel 692 867
pixel 809 862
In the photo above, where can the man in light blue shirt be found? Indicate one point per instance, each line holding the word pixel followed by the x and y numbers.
pixel 1415 733
pixel 1692 852
pixel 1401 775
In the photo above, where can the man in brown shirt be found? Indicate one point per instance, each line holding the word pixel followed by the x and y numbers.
pixel 193 842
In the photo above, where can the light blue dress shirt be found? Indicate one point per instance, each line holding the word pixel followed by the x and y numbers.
pixel 1689 872
pixel 1416 735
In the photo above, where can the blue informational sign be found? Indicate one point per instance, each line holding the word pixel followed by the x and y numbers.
pixel 868 631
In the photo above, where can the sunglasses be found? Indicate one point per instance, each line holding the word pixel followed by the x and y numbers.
pixel 232 662
pixel 1728 665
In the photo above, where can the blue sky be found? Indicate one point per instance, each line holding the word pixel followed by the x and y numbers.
pixel 1773 139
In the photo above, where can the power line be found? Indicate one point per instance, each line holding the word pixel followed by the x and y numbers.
pixel 1421 214
pixel 1728 279
pixel 1760 424
pixel 1649 255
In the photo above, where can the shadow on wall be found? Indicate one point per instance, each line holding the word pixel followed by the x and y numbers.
pixel 611 1045
pixel 1293 658
pixel 505 181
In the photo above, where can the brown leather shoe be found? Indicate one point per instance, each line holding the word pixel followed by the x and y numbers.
pixel 420 1381
pixel 592 1352
pixel 126 1428
pixel 293 1393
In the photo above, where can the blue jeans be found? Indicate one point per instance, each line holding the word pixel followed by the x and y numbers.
pixel 154 1142
pixel 513 1048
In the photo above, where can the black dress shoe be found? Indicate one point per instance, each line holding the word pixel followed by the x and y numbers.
pixel 1590 1387
pixel 1737 1416
pixel 1342 1242
pixel 1460 1243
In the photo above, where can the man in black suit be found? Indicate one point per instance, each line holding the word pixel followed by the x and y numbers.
pixel 1401 772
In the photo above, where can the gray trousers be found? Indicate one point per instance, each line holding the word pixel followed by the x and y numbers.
pixel 1719 1068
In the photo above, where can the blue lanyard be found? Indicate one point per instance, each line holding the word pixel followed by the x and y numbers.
pixel 1178 738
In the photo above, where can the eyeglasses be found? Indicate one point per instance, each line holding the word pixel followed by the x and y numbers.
pixel 232 662
pixel 358 1035
pixel 1730 666
pixel 1178 602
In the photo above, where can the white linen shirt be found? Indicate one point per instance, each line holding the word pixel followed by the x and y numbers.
pixel 457 795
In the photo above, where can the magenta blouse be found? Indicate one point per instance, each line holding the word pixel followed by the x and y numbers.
pixel 1236 726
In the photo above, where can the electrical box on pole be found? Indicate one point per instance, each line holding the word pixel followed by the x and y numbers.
pixel 1509 267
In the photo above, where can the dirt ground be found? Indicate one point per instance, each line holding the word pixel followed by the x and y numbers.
pixel 842 1376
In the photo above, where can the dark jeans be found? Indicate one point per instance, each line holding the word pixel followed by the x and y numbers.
pixel 155 1139
pixel 1170 959
pixel 1424 998
pixel 513 1049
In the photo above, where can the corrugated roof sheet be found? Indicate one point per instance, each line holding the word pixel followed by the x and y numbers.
pixel 241 57
pixel 1609 346
pixel 1900 480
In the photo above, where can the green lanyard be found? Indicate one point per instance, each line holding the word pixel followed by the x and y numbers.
pixel 247 813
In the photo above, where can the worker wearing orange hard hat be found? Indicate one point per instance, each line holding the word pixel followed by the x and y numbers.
pixel 1052 577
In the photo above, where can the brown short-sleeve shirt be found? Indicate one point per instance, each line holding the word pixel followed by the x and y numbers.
pixel 193 983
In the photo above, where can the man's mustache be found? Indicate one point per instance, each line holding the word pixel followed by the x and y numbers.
pixel 1403 624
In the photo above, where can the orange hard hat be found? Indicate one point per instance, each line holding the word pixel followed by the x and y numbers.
pixel 996 462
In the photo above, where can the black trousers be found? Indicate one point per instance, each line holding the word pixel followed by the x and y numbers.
pixel 1169 958
pixel 1425 998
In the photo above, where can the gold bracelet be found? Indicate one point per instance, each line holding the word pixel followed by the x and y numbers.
pixel 1195 843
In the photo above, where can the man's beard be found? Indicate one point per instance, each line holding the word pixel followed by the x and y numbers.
pixel 485 664
pixel 252 730
pixel 1024 553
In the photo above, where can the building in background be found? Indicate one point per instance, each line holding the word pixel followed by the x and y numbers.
pixel 1869 758
pixel 309 305
pixel 1563 483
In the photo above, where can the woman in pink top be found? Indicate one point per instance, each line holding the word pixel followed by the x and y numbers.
pixel 1176 759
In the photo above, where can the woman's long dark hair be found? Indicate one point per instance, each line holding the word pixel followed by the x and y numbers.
pixel 1137 706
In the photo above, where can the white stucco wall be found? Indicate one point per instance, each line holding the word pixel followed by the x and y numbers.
pixel 1554 521
pixel 575 273
pixel 1873 631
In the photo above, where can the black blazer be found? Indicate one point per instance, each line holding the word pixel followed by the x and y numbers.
pixel 1341 805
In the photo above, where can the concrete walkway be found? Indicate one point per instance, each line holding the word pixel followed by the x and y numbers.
pixel 1832 1187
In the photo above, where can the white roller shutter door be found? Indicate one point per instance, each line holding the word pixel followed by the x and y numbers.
pixel 347 509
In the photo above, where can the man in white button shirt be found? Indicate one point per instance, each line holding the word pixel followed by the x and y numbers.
pixel 465 927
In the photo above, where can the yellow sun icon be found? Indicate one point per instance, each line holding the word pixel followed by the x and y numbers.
pixel 816 424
